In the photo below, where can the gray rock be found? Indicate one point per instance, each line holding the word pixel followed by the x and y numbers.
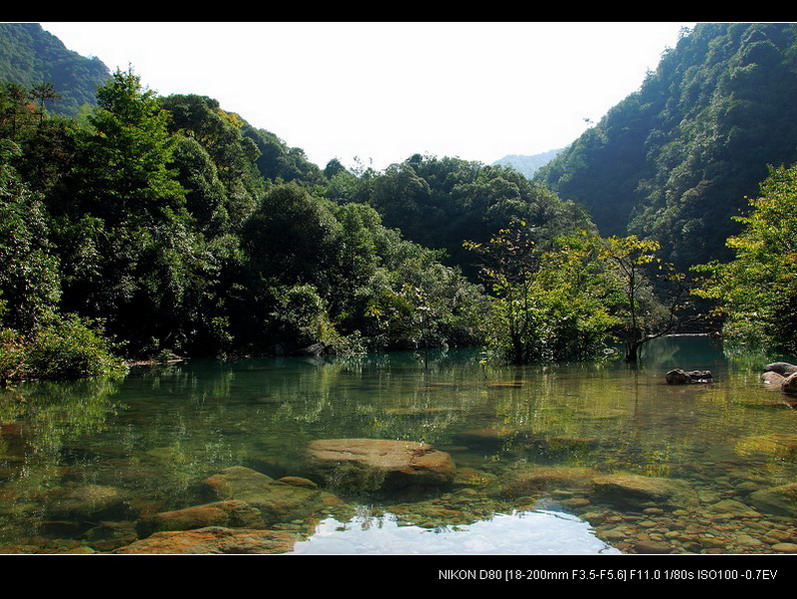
pixel 789 384
pixel 679 376
pixel 782 368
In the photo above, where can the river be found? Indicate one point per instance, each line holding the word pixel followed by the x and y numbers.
pixel 555 459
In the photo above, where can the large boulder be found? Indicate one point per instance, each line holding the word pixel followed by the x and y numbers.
pixel 214 539
pixel 789 384
pixel 782 368
pixel 780 501
pixel 632 490
pixel 772 378
pixel 283 500
pixel 379 464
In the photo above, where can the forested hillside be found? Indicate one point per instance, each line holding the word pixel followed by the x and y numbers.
pixel 31 56
pixel 675 160
pixel 443 202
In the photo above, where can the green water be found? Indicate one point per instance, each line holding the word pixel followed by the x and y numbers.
pixel 155 436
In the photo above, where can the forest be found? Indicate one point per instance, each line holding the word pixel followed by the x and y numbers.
pixel 140 227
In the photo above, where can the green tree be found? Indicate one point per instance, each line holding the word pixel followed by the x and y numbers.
pixel 652 298
pixel 42 93
pixel 756 292
pixel 550 304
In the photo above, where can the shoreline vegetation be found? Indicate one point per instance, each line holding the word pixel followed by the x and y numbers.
pixel 144 228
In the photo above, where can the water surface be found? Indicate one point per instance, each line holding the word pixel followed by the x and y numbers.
pixel 156 435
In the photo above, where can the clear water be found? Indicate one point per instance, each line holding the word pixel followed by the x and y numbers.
pixel 154 436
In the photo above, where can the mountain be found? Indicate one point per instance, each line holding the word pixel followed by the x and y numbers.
pixel 675 160
pixel 29 55
pixel 527 165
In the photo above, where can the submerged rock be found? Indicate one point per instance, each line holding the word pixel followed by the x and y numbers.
pixel 730 508
pixel 277 501
pixel 781 501
pixel 377 464
pixel 214 539
pixel 230 514
pixel 90 503
pixel 682 377
pixel 632 490
pixel 545 478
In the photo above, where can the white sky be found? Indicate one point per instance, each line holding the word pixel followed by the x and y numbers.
pixel 385 91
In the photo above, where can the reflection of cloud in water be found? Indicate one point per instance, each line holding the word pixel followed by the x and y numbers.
pixel 519 533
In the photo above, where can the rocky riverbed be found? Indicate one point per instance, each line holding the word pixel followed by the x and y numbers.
pixel 241 510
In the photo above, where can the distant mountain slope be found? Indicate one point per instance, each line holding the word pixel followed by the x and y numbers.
pixel 675 160
pixel 527 165
pixel 29 55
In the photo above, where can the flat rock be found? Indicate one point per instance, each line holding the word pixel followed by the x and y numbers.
pixel 632 490
pixel 229 514
pixel 731 508
pixel 90 503
pixel 277 501
pixel 545 478
pixel 214 539
pixel 375 464
pixel 781 501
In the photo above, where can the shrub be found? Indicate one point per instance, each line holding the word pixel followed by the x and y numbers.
pixel 69 348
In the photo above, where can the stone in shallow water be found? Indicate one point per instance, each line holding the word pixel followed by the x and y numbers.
pixel 378 464
pixel 90 503
pixel 277 501
pixel 214 539
pixel 230 514
pixel 545 478
pixel 731 508
pixel 648 547
pixel 772 378
pixel 632 490
pixel 781 501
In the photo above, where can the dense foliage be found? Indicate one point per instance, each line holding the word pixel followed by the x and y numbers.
pixel 673 161
pixel 757 290
pixel 159 225
pixel 162 220
pixel 441 202
pixel 577 295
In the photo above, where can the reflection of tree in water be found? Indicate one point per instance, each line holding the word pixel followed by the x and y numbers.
pixel 42 424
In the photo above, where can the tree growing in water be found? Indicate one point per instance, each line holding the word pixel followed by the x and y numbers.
pixel 651 297
pixel 548 304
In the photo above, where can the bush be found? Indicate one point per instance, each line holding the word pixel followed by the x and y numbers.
pixel 70 348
